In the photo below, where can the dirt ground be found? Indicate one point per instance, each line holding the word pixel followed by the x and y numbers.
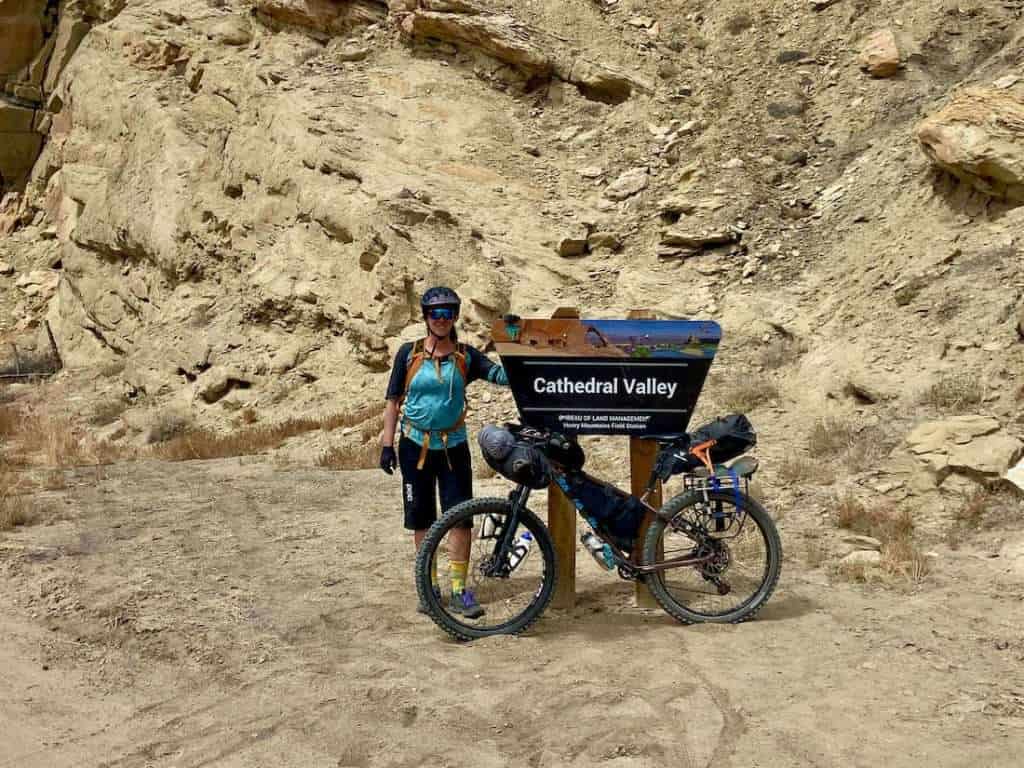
pixel 242 612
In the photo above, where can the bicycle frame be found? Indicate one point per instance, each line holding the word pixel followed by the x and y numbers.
pixel 518 498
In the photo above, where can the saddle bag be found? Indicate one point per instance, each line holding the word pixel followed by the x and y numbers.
pixel 734 435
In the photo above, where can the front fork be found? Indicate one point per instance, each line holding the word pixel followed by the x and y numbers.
pixel 498 566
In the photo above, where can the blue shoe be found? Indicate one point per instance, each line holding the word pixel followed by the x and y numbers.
pixel 464 602
pixel 422 608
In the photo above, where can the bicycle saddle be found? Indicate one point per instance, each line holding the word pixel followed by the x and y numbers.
pixel 670 438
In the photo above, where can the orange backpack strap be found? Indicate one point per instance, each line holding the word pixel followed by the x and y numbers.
pixel 413 363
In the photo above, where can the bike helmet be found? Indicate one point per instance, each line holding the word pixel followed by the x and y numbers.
pixel 440 296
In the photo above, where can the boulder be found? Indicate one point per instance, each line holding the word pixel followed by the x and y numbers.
pixel 866 543
pixel 213 384
pixel 21 33
pixel 1012 555
pixel 627 184
pixel 231 30
pixel 971 446
pixel 862 557
pixel 698 239
pixel 500 37
pixel 19 143
pixel 604 241
pixel 880 54
pixel 979 137
pixel 572 246
pixel 1016 475
pixel 985 457
pixel 71 30
pixel 935 436
pixel 602 82
pixel 332 18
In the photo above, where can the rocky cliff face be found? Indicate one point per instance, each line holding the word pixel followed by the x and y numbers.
pixel 244 199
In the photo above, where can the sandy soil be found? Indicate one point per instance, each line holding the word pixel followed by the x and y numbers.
pixel 244 613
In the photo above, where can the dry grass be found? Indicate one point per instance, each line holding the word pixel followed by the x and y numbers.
pixel 363 456
pixel 168 425
pixel 954 393
pixel 14 508
pixel 973 510
pixel 834 438
pixel 795 469
pixel 781 352
pixel 39 439
pixel 830 437
pixel 10 420
pixel 815 553
pixel 747 393
pixel 108 411
pixel 206 444
pixel 111 369
pixel 894 528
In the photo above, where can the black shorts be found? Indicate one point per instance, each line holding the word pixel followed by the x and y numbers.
pixel 419 485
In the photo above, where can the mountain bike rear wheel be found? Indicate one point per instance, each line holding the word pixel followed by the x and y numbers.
pixel 742 557
pixel 511 601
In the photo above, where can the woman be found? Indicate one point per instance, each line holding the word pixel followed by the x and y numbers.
pixel 430 377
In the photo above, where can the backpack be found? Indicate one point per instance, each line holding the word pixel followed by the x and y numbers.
pixel 413 363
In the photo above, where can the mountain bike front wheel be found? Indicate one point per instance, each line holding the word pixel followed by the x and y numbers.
pixel 511 600
pixel 740 552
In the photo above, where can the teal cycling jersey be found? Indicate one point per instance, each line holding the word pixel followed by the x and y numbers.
pixel 436 397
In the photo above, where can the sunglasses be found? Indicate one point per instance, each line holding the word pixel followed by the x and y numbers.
pixel 441 313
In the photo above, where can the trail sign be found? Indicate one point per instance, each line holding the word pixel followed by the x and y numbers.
pixel 606 377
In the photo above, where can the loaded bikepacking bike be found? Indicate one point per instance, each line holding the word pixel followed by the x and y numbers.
pixel 711 553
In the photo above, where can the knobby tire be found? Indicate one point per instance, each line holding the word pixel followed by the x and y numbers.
pixel 478 508
pixel 757 515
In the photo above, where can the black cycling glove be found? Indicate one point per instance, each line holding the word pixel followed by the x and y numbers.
pixel 388 459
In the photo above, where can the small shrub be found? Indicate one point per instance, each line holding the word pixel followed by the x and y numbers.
pixel 900 557
pixel 740 22
pixel 893 527
pixel 795 469
pixel 747 393
pixel 14 509
pixel 108 411
pixel 249 416
pixel 166 426
pixel 883 522
pixel 55 480
pixel 781 352
pixel 850 513
pixel 970 514
pixel 815 553
pixel 835 438
pixel 112 369
pixel 831 437
pixel 11 420
pixel 954 393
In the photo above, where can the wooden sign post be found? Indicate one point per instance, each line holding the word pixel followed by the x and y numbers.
pixel 562 524
pixel 642 454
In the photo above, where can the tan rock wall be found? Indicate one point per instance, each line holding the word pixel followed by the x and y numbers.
pixel 21 33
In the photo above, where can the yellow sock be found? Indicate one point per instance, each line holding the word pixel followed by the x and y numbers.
pixel 433 572
pixel 458 571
